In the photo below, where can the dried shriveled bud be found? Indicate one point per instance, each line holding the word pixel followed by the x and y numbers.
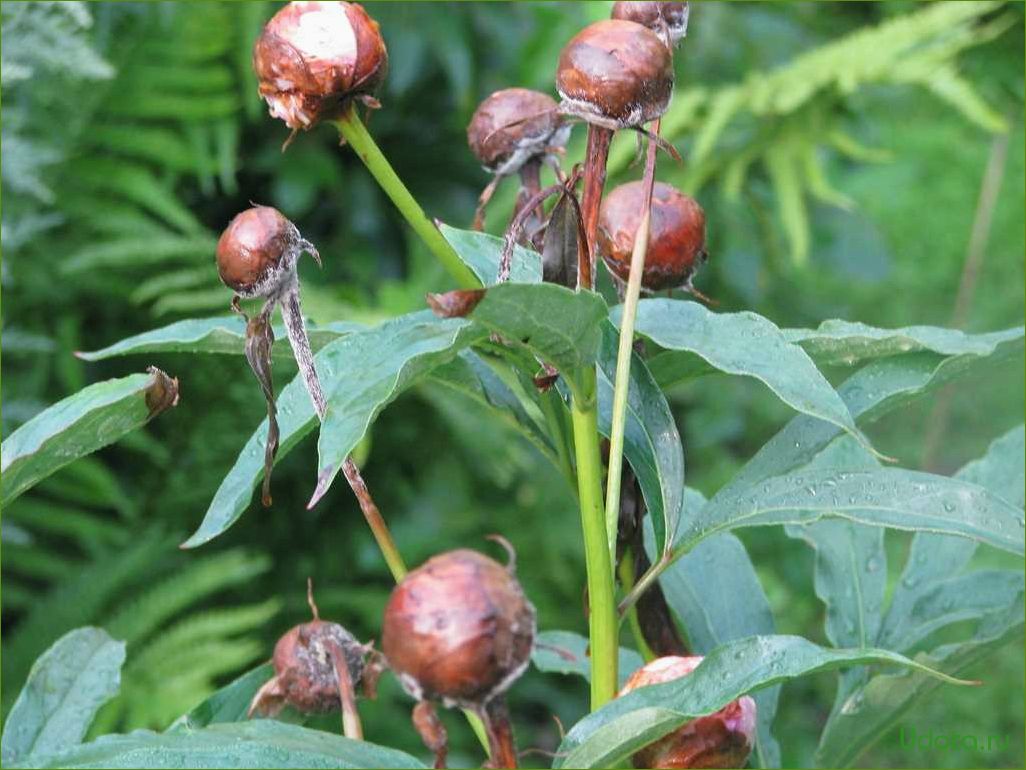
pixel 314 56
pixel 258 251
pixel 719 740
pixel 615 74
pixel 514 125
pixel 676 245
pixel 458 630
pixel 306 677
pixel 661 17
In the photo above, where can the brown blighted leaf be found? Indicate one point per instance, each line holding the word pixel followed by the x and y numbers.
pixel 546 378
pixel 162 393
pixel 559 248
pixel 259 339
pixel 455 304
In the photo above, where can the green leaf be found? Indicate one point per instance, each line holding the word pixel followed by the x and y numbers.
pixel 482 252
pixel 745 344
pixel 652 443
pixel 847 343
pixel 608 737
pixel 229 704
pixel 870 711
pixel 716 593
pixel 560 326
pixel 358 354
pixel 364 372
pixel 66 687
pixel 213 335
pixel 564 652
pixel 871 392
pixel 935 558
pixel 885 497
pixel 258 743
pixel 79 425
pixel 470 376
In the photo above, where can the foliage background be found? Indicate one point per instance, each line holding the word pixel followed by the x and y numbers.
pixel 132 133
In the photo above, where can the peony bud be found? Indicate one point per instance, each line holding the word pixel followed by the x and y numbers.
pixel 258 251
pixel 669 18
pixel 313 57
pixel 676 245
pixel 720 740
pixel 615 74
pixel 513 126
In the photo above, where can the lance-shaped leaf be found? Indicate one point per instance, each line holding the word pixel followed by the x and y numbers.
pixel 66 687
pixel 716 593
pixel 884 497
pixel 390 347
pixel 608 737
pixel 79 425
pixel 870 393
pixel 229 704
pixel 361 378
pixel 870 711
pixel 745 344
pixel 471 377
pixel 481 252
pixel 225 335
pixel 564 652
pixel 258 743
pixel 651 441
pixel 847 343
pixel 559 326
pixel 934 558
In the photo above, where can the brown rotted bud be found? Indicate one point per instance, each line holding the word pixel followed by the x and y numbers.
pixel 676 244
pixel 720 740
pixel 317 667
pixel 615 74
pixel 258 251
pixel 513 126
pixel 667 18
pixel 458 630
pixel 312 57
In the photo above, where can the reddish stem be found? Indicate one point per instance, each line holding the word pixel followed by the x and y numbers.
pixel 594 180
pixel 501 744
pixel 530 185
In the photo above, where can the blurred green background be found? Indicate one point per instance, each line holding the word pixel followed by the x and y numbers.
pixel 844 186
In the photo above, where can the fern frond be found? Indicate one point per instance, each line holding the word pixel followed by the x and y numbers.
pixel 133 252
pixel 39 515
pixel 198 579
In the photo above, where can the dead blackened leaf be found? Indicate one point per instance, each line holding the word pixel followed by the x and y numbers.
pixel 545 378
pixel 560 246
pixel 162 393
pixel 455 304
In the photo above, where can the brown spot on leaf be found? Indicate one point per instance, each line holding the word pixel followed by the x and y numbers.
pixel 162 393
pixel 455 304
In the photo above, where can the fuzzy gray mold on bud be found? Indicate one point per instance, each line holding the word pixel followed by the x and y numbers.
pixel 314 56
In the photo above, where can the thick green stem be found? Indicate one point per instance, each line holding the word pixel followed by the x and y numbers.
pixel 355 133
pixel 602 620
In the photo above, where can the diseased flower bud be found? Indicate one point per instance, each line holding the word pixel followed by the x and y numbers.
pixel 660 17
pixel 676 244
pixel 615 74
pixel 257 252
pixel 514 125
pixel 458 630
pixel 720 740
pixel 314 56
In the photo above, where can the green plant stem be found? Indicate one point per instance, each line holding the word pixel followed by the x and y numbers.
pixel 550 408
pixel 623 357
pixel 355 133
pixel 645 581
pixel 626 572
pixel 602 619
